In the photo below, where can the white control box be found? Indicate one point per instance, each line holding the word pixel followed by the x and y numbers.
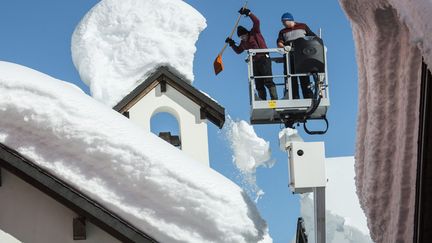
pixel 306 166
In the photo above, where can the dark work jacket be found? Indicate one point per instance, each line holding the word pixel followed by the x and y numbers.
pixel 254 41
pixel 287 35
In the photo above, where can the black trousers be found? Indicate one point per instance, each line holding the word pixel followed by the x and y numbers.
pixel 262 67
pixel 304 82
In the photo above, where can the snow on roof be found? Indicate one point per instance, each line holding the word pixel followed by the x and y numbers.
pixel 133 173
pixel 118 44
pixel 416 15
pixel 345 220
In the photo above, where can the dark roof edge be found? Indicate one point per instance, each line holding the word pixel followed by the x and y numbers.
pixel 125 101
pixel 215 112
pixel 70 197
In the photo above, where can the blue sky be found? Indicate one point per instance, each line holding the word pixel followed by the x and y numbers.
pixel 37 34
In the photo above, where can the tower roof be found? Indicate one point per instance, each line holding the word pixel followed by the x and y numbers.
pixel 210 109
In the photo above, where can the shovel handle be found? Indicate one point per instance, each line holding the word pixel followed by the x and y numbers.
pixel 232 31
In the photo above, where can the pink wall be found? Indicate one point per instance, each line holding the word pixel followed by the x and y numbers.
pixel 389 56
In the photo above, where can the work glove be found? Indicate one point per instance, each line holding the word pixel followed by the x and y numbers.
pixel 229 41
pixel 244 11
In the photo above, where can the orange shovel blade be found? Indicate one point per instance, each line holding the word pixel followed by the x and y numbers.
pixel 218 64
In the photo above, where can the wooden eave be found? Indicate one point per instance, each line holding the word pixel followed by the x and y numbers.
pixel 210 109
pixel 70 197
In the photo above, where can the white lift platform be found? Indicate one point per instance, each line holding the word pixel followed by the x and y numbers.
pixel 288 110
pixel 306 159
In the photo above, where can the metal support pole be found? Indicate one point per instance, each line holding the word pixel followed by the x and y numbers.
pixel 251 77
pixel 289 77
pixel 319 214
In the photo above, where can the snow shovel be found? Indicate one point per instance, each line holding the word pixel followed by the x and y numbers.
pixel 218 64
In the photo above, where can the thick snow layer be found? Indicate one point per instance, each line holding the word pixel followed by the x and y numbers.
pixel 391 36
pixel 416 16
pixel 118 44
pixel 345 220
pixel 7 238
pixel 337 230
pixel 249 152
pixel 341 192
pixel 138 176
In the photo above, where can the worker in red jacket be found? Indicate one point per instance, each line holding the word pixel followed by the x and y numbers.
pixel 292 31
pixel 253 39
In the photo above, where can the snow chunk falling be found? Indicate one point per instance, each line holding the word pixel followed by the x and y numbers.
pixel 118 44
pixel 133 173
pixel 249 151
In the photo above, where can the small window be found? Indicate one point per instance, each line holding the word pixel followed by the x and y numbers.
pixel 166 126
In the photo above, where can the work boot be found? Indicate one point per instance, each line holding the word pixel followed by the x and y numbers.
pixel 273 93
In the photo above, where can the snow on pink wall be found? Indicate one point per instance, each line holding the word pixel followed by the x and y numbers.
pixel 389 44
pixel 416 15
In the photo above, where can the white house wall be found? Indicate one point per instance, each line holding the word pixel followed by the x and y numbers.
pixel 193 130
pixel 31 216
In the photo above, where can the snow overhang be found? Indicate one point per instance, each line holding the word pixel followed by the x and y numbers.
pixel 119 42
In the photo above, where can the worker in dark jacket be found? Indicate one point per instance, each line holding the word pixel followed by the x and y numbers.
pixel 253 39
pixel 292 31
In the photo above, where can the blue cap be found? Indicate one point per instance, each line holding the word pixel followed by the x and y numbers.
pixel 287 16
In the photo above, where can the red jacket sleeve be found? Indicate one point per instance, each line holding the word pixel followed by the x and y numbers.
pixel 309 32
pixel 238 49
pixel 256 23
pixel 280 38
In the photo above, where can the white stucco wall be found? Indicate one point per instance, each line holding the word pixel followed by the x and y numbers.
pixel 193 130
pixel 32 216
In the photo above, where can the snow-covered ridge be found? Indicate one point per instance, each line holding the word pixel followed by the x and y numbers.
pixel 140 177
pixel 119 43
